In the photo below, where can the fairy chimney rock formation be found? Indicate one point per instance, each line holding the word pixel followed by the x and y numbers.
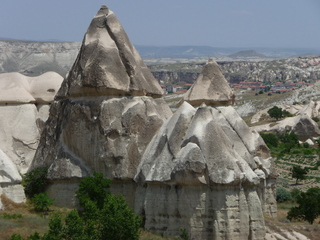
pixel 206 171
pixel 210 88
pixel 108 64
pixel 106 112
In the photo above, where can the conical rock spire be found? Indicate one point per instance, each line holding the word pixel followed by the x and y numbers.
pixel 210 88
pixel 108 64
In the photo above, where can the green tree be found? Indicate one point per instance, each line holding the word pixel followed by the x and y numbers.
pixel 289 140
pixel 55 228
pixel 270 139
pixel 74 227
pixel 41 202
pixel 275 112
pixel 35 181
pixel 103 215
pixel 299 173
pixel 309 206
pixel 106 215
pixel 94 189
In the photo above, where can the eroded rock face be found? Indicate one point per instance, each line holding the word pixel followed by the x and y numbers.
pixel 105 135
pixel 24 108
pixel 206 171
pixel 10 180
pixel 108 64
pixel 210 88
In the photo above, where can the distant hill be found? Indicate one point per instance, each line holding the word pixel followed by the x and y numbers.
pixel 247 54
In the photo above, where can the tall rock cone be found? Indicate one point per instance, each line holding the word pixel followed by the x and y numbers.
pixel 210 88
pixel 103 116
pixel 108 64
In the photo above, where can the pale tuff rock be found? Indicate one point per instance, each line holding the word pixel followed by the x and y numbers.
pixel 105 135
pixel 108 64
pixel 16 88
pixel 102 120
pixel 210 88
pixel 202 165
pixel 10 180
pixel 24 108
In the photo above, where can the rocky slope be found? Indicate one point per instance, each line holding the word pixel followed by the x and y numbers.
pixel 35 58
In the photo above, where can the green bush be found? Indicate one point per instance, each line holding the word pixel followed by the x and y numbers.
pixel 35 182
pixel 15 237
pixel 93 189
pixel 41 202
pixel 11 216
pixel 103 216
pixel 282 195
pixel 306 145
pixel 270 139
pixel 307 151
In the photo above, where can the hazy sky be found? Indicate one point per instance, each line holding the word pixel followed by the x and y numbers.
pixel 216 23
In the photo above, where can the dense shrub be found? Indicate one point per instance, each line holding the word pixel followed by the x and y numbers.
pixel 282 195
pixel 103 215
pixel 306 145
pixel 275 112
pixel 35 182
pixel 270 139
pixel 41 202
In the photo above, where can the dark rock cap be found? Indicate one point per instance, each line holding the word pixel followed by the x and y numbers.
pixel 108 64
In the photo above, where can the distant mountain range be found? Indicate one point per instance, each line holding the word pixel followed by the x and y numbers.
pixel 36 57
pixel 148 52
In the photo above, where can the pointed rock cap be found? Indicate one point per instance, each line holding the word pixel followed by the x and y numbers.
pixel 108 64
pixel 210 88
